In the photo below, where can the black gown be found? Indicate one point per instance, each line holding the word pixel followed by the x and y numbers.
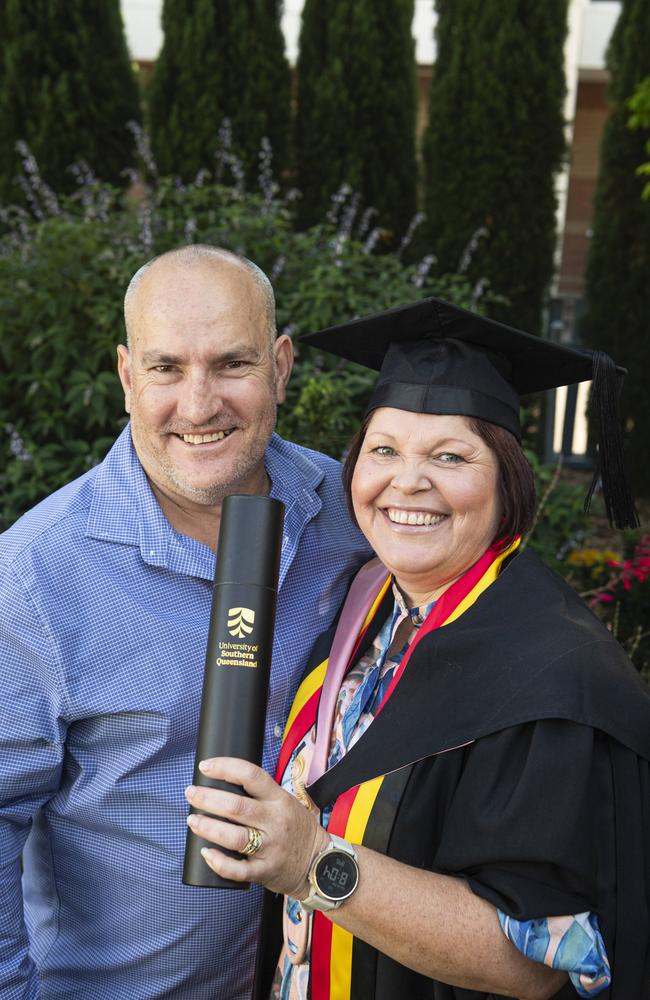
pixel 544 807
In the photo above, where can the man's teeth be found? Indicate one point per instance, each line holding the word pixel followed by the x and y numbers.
pixel 413 517
pixel 204 438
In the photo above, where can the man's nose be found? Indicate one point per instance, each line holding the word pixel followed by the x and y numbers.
pixel 198 400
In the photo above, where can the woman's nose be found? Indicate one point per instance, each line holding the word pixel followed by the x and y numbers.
pixel 411 477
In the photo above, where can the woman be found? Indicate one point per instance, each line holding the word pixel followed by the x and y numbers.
pixel 470 744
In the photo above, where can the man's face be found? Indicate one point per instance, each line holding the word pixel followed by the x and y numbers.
pixel 201 380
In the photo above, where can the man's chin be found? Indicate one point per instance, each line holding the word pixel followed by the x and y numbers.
pixel 207 495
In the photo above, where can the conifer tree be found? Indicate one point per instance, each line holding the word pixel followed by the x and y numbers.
pixel 617 317
pixel 356 107
pixel 67 89
pixel 494 143
pixel 639 105
pixel 221 59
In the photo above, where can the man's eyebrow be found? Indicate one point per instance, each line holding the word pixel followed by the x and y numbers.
pixel 158 358
pixel 153 357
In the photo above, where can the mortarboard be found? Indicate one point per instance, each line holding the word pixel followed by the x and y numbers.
pixel 434 357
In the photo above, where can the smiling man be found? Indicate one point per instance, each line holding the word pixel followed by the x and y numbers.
pixel 202 374
pixel 106 592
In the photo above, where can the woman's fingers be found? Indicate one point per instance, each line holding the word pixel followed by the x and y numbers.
pixel 237 808
pixel 289 834
pixel 256 782
pixel 229 835
pixel 230 868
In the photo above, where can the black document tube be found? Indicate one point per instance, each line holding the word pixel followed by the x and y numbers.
pixel 238 656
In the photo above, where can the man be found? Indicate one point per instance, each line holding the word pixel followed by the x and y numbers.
pixel 106 591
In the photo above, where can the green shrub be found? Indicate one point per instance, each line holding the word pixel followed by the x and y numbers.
pixel 617 588
pixel 62 282
pixel 612 575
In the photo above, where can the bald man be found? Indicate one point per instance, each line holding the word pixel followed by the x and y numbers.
pixel 104 608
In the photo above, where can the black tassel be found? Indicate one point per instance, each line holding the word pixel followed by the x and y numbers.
pixel 610 467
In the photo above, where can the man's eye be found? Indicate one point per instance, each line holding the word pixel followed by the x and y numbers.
pixel 239 366
pixel 163 369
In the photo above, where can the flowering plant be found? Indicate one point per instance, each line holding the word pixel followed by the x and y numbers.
pixel 622 601
pixel 626 574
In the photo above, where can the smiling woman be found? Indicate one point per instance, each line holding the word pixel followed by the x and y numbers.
pixel 424 493
pixel 471 746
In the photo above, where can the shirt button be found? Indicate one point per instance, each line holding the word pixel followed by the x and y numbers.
pixel 278 731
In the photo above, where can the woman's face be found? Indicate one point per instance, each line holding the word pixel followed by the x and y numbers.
pixel 425 495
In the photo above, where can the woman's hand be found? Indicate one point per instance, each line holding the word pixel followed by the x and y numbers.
pixel 291 834
pixel 432 923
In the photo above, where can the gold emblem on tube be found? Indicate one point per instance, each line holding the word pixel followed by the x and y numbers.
pixel 240 621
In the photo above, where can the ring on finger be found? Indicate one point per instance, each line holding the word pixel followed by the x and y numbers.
pixel 253 843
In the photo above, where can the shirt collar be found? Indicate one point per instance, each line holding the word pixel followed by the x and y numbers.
pixel 124 509
pixel 418 614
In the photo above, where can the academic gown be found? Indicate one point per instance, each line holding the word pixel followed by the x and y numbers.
pixel 514 753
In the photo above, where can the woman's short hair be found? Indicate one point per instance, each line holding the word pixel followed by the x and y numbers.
pixel 516 480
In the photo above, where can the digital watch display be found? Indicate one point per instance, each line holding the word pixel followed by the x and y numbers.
pixel 336 875
pixel 333 876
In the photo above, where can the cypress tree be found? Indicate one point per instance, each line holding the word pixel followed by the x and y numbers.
pixel 618 284
pixel 639 105
pixel 220 59
pixel 67 89
pixel 356 107
pixel 494 143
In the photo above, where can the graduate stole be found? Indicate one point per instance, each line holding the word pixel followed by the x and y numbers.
pixel 342 966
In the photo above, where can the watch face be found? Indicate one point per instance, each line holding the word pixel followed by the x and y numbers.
pixel 336 875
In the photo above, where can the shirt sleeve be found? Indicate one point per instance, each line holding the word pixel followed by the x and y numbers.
pixel 32 737
pixel 573 944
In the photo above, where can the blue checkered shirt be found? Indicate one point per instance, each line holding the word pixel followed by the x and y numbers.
pixel 104 612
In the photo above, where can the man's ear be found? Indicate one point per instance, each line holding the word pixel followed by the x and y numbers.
pixel 124 371
pixel 283 352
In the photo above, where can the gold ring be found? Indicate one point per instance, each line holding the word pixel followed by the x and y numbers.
pixel 253 843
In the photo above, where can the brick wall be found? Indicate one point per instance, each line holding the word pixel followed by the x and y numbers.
pixel 591 113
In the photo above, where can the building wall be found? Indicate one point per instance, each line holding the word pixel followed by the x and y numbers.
pixel 589 121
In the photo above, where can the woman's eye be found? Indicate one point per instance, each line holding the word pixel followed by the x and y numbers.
pixel 383 450
pixel 449 458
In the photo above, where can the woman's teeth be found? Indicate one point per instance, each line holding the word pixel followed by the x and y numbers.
pixel 413 517
pixel 204 438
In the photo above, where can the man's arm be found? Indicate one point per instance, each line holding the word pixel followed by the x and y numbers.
pixel 31 753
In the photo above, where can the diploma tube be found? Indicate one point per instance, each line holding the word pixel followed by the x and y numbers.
pixel 238 656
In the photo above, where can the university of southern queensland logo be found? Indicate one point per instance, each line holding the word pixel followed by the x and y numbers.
pixel 240 621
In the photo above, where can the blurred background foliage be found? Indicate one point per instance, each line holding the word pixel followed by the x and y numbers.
pixel 232 132
pixel 63 272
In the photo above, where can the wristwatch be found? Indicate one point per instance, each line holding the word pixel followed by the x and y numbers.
pixel 333 876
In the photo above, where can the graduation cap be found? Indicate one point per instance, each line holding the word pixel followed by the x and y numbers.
pixel 434 357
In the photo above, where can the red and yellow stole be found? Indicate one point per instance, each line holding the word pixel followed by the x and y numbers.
pixel 363 814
